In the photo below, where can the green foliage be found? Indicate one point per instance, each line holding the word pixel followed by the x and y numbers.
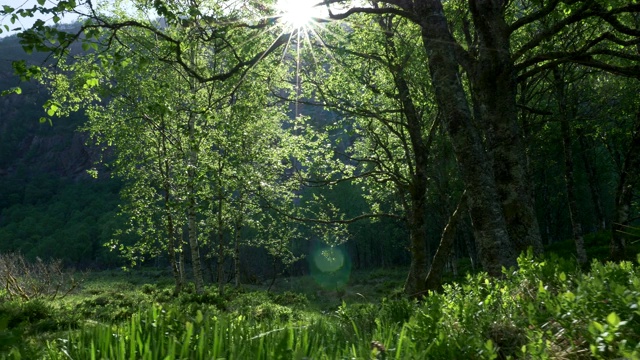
pixel 113 305
pixel 289 298
pixel 548 308
pixel 61 220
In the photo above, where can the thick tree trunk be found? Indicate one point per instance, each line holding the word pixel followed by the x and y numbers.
pixel 415 285
pixel 443 253
pixel 576 225
pixel 624 194
pixel 494 89
pixel 494 247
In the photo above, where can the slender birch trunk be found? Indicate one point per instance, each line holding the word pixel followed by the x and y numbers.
pixel 191 208
pixel 220 255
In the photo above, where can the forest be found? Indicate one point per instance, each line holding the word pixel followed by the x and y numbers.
pixel 320 179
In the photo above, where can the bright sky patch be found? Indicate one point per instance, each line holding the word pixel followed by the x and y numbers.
pixel 296 14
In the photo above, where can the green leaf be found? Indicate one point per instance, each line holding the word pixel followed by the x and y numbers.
pixel 15 90
pixel 7 9
pixel 569 296
pixel 51 108
pixel 56 19
pixel 41 2
pixel 613 319
pixel 92 82
pixel 596 328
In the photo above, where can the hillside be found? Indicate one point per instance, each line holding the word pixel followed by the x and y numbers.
pixel 47 196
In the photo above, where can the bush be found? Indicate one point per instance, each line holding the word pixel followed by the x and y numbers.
pixel 113 306
pixel 25 280
pixel 289 298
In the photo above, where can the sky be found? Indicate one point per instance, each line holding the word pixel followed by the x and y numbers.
pixel 24 22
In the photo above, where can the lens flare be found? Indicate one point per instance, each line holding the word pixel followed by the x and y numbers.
pixel 295 14
pixel 330 267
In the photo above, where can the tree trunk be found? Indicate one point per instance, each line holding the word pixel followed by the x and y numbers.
pixel 191 209
pixel 624 195
pixel 418 181
pixel 236 250
pixel 576 225
pixel 494 247
pixel 414 285
pixel 172 241
pixel 220 255
pixel 593 182
pixel 444 249
pixel 494 90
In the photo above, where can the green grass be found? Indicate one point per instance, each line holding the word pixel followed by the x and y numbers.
pixel 549 308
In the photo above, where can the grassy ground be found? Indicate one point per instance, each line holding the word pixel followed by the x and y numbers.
pixel 549 308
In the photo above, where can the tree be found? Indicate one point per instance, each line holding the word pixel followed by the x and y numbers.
pixel 476 53
pixel 565 116
pixel 191 153
pixel 389 116
pixel 495 168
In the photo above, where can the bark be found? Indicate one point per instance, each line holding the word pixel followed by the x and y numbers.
pixel 592 178
pixel 171 234
pixel 447 238
pixel 220 255
pixel 624 195
pixel 576 225
pixel 494 90
pixel 416 209
pixel 414 284
pixel 494 247
pixel 236 250
pixel 191 210
pixel 417 192
pixel 172 241
pixel 181 260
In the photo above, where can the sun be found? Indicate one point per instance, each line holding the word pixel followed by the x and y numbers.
pixel 295 14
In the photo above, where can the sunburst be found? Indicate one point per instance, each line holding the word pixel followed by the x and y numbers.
pixel 297 14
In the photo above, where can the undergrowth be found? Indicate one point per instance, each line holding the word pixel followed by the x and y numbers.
pixel 547 309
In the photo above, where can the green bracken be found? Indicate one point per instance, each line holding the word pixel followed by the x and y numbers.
pixel 548 308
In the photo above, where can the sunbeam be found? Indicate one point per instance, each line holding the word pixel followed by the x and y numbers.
pixel 296 14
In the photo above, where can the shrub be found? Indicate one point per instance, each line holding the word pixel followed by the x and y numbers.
pixel 289 298
pixel 25 280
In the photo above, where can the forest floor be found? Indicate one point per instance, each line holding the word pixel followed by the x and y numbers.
pixel 548 308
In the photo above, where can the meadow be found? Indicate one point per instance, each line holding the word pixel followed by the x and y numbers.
pixel 547 309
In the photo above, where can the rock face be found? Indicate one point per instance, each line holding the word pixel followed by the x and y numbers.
pixel 28 147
